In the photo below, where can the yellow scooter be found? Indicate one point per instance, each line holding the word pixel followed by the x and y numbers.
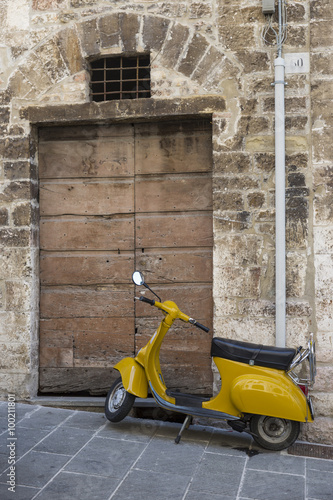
pixel 261 393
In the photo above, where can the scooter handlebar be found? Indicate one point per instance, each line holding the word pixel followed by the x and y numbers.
pixel 149 301
pixel 199 325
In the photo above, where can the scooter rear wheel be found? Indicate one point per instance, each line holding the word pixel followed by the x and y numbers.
pixel 274 433
pixel 118 402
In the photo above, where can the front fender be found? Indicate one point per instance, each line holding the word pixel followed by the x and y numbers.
pixel 133 377
pixel 264 395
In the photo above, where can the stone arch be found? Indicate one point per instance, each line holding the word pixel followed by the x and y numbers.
pixel 176 46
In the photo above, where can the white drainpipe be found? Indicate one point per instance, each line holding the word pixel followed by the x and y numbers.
pixel 280 205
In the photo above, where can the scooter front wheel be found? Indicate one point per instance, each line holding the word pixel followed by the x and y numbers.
pixel 118 402
pixel 274 433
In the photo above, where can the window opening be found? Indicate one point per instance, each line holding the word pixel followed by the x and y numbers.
pixel 120 78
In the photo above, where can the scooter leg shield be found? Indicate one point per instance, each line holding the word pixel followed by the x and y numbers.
pixel 133 377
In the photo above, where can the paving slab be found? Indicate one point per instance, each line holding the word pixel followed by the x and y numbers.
pixel 64 454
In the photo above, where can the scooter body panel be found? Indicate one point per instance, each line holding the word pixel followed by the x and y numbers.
pixel 258 390
pixel 133 377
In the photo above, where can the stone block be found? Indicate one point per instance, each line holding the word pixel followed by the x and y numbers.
pixel 224 306
pixel 18 170
pixel 257 330
pixel 253 61
pixel 323 240
pixel 324 378
pixel 323 208
pixel 199 10
pixel 154 32
pixel 324 347
pixel 324 315
pixel 296 12
pixel 231 163
pixel 296 180
pixel 323 403
pixel 223 183
pixel 321 89
pixel 15 263
pixel 298 307
pixel 264 162
pixel 15 148
pixel 174 45
pixel 70 50
pixel 16 190
pixel 322 63
pixel 36 73
pixel 297 37
pixel 51 59
pixel 322 144
pixel 296 274
pixel 129 25
pixel 321 34
pixel 89 37
pixel 253 125
pixel 25 214
pixel 228 200
pixel 15 327
pixel 242 15
pixel 14 237
pixel 109 31
pixel 297 221
pixel 296 161
pixel 238 250
pixel 256 199
pixel 231 221
pixel 296 122
pixel 47 4
pixel 20 87
pixel 319 431
pixel 18 296
pixel 238 282
pixel 14 355
pixel 4 217
pixel 256 308
pixel 236 37
pixel 194 53
pixel 321 9
pixel 260 144
pixel 324 275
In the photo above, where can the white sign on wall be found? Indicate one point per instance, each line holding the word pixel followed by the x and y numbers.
pixel 298 62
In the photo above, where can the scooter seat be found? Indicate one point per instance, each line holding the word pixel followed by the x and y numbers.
pixel 253 354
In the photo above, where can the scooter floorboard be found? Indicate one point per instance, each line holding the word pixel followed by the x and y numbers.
pixel 191 400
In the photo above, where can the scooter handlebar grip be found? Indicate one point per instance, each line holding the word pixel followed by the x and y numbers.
pixel 202 327
pixel 149 301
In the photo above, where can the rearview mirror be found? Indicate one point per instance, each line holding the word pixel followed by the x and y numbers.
pixel 138 278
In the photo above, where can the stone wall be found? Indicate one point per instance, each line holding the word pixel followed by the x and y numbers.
pixel 198 48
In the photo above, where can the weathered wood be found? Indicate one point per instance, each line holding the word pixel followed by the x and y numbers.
pixel 98 301
pixel 87 233
pixel 179 265
pixel 92 236
pixel 193 299
pixel 87 198
pixel 113 157
pixel 86 268
pixel 173 193
pixel 173 147
pixel 177 230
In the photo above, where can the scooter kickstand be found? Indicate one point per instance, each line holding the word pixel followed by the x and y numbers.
pixel 186 424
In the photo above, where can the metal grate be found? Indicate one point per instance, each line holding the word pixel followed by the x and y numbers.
pixel 120 78
pixel 312 450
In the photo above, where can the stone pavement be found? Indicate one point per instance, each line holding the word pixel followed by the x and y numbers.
pixel 68 454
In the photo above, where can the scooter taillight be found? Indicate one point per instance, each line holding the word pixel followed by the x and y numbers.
pixel 305 389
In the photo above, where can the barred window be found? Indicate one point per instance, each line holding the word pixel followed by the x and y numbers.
pixel 120 78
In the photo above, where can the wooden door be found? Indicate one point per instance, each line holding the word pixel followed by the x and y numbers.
pixel 114 199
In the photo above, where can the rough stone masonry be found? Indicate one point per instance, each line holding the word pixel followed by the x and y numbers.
pixel 203 52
